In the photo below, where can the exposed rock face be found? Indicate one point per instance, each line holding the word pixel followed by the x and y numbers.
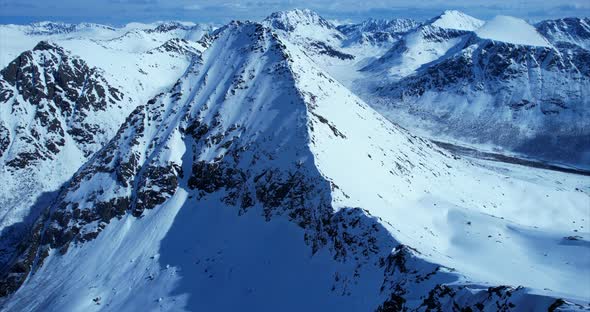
pixel 61 89
pixel 180 47
pixel 290 20
pixel 571 30
pixel 51 105
pixel 377 32
pixel 318 36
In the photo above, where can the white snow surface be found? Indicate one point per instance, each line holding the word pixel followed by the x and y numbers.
pixel 511 30
pixel 453 19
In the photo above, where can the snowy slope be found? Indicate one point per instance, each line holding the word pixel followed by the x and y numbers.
pixel 318 37
pixel 425 44
pixel 258 177
pixel 571 30
pixel 511 30
pixel 18 38
pixel 133 37
pixel 340 50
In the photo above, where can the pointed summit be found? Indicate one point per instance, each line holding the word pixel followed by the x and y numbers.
pixel 290 20
pixel 453 19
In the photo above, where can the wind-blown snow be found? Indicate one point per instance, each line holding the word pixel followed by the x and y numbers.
pixel 511 30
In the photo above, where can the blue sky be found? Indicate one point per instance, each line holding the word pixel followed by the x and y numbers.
pixel 118 12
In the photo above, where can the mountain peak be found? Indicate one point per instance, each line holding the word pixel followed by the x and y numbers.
pixel 291 19
pixel 453 19
pixel 56 28
pixel 47 46
pixel 511 30
pixel 377 31
pixel 393 25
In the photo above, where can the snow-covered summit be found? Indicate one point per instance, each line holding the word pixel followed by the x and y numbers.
pixel 511 30
pixel 453 19
pixel 306 28
pixel 292 19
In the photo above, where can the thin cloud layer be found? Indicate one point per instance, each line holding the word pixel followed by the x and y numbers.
pixel 122 11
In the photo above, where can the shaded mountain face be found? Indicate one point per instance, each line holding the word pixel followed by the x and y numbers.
pixel 317 36
pixel 561 32
pixel 504 85
pixel 537 96
pixel 376 32
pixel 237 183
pixel 423 45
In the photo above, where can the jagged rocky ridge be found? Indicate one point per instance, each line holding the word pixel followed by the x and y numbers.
pixel 50 104
pixel 561 32
pixel 318 36
pixel 58 86
pixel 377 32
pixel 252 127
pixel 59 110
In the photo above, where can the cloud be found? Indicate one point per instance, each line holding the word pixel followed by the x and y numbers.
pixel 193 7
pixel 221 11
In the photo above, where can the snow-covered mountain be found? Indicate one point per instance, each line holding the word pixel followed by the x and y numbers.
pixel 504 85
pixel 56 111
pixel 89 87
pixel 316 35
pixel 133 37
pixel 257 179
pixel 174 167
pixel 425 44
pixel 453 19
pixel 377 31
pixel 60 108
pixel 571 30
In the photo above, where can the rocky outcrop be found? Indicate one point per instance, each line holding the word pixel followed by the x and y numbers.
pixel 62 92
